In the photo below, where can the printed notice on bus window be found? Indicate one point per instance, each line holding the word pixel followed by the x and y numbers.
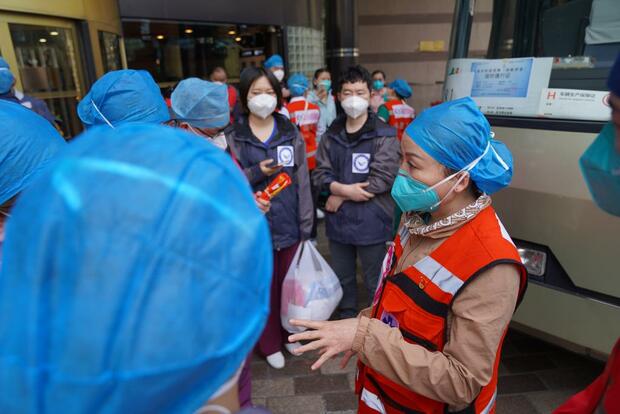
pixel 575 104
pixel 504 87
pixel 508 78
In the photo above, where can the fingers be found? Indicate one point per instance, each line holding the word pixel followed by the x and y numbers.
pixel 305 336
pixel 367 194
pixel 308 324
pixel 346 358
pixel 311 346
pixel 266 162
pixel 323 359
pixel 364 185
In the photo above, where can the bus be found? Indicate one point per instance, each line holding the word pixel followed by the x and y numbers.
pixel 570 247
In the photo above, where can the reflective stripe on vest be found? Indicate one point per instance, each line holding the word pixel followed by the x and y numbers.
pixel 372 401
pixel 491 404
pixel 418 299
pixel 439 275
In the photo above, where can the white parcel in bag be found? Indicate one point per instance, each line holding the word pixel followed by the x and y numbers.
pixel 311 290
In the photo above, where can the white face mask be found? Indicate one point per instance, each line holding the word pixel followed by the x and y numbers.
pixel 219 82
pixel 355 106
pixel 218 140
pixel 279 74
pixel 262 105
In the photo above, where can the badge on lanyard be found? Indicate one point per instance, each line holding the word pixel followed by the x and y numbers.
pixel 286 155
pixel 361 163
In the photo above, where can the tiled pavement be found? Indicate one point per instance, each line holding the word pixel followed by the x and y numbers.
pixel 535 377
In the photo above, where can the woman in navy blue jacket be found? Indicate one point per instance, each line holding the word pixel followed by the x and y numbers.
pixel 266 143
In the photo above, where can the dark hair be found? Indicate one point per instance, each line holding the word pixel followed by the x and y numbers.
pixel 6 207
pixel 248 76
pixel 217 69
pixel 168 91
pixel 355 74
pixel 318 72
pixel 378 71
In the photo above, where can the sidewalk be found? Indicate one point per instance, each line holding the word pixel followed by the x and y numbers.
pixel 535 377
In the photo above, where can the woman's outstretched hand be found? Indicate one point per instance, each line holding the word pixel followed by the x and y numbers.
pixel 329 338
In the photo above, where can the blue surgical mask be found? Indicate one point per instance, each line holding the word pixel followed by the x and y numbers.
pixel 413 195
pixel 326 84
pixel 378 84
pixel 600 165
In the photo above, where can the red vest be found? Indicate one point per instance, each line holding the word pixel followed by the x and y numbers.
pixel 401 115
pixel 418 300
pixel 306 116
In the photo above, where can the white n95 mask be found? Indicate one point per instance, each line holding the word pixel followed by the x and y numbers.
pixel 220 141
pixel 355 106
pixel 262 105
pixel 279 74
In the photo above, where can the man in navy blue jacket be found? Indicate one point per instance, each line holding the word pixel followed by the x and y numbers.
pixel 357 162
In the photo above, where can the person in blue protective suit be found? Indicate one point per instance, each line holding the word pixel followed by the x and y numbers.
pixel 199 107
pixel 450 283
pixel 29 144
pixel 266 143
pixel 123 96
pixel 600 165
pixel 125 296
pixel 7 80
pixel 275 64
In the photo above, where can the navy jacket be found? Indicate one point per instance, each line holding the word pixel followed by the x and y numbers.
pixel 291 215
pixel 373 157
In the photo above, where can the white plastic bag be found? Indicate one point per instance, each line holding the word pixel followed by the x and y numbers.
pixel 311 290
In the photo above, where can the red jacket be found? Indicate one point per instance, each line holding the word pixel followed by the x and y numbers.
pixel 602 394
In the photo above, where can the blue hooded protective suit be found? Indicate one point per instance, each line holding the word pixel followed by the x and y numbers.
pixel 123 96
pixel 28 145
pixel 136 277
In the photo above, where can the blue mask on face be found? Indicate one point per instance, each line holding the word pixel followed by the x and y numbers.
pixel 378 84
pixel 326 84
pixel 600 165
pixel 413 195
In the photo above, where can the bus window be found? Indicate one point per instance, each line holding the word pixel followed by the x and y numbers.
pixel 586 29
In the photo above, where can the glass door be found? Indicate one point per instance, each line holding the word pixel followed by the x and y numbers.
pixel 44 58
